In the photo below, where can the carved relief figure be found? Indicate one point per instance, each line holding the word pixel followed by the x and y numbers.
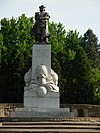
pixel 43 78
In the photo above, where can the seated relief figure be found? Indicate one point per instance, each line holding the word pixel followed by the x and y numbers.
pixel 43 78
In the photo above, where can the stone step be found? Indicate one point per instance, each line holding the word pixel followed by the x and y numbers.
pixel 52 123
pixel 23 119
pixel 49 130
pixel 17 125
pixel 50 126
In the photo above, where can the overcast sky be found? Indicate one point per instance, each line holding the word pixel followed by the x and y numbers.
pixel 74 14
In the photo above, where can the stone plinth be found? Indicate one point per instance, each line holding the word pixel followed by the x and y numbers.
pixel 41 55
pixel 40 112
pixel 32 100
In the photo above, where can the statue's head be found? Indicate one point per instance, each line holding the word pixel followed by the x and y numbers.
pixel 42 8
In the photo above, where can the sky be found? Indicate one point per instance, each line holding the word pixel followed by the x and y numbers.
pixel 77 15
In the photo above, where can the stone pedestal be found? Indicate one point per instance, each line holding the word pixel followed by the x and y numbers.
pixel 41 93
pixel 50 100
pixel 41 55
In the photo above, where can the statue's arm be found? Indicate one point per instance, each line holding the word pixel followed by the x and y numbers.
pixel 37 18
pixel 46 16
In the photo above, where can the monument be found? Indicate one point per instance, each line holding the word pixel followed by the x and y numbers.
pixel 41 93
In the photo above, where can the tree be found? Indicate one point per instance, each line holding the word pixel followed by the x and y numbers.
pixel 91 46
pixel 16 56
pixel 77 71
pixel 57 36
pixel 95 81
pixel 1 45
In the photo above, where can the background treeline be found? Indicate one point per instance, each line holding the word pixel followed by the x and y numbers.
pixel 75 58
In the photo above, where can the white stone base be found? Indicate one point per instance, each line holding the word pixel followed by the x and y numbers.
pixel 32 100
pixel 38 112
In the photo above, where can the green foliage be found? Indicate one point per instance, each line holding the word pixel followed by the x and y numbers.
pixel 95 80
pixel 15 56
pixel 57 36
pixel 76 70
pixel 90 44
pixel 1 46
pixel 73 42
pixel 81 75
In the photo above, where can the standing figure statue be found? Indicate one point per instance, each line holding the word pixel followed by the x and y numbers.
pixel 40 28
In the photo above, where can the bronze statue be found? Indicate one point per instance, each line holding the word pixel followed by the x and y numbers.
pixel 40 28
